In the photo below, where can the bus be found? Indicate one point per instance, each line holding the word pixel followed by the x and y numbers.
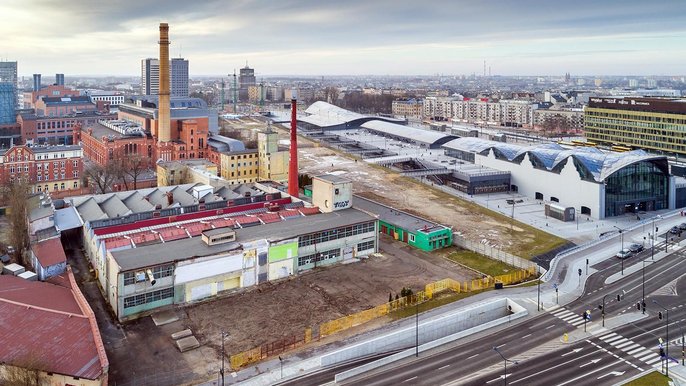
pixel 620 149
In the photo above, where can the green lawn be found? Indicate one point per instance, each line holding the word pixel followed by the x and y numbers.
pixel 481 263
pixel 531 241
pixel 652 379
pixel 438 300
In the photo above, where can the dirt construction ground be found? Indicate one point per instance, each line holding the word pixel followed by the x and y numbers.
pixel 470 220
pixel 271 312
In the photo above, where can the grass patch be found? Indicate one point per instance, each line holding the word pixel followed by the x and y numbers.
pixel 652 379
pixel 481 263
pixel 535 241
pixel 438 300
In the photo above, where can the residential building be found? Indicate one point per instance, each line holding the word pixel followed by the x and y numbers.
pixel 407 108
pixel 50 335
pixel 570 120
pixel 45 168
pixel 653 124
pixel 240 167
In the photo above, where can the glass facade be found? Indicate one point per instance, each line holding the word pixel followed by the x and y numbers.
pixel 642 186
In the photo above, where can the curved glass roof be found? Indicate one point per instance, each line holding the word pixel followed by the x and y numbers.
pixel 324 114
pixel 409 133
pixel 599 163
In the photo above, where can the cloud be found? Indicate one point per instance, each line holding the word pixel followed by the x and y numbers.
pixel 351 37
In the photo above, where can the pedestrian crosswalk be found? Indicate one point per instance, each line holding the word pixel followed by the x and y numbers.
pixel 638 351
pixel 568 316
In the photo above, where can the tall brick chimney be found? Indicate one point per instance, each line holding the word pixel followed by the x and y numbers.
pixel 164 129
pixel 293 189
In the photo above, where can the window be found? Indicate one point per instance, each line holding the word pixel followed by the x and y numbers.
pixel 148 297
pixel 54 187
pixel 39 178
pixel 335 234
pixel 62 186
pixel 412 238
pixel 76 184
pixel 319 256
pixel 368 245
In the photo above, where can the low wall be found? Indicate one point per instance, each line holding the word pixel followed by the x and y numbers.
pixel 432 332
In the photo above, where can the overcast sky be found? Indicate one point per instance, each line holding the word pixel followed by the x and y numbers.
pixel 322 37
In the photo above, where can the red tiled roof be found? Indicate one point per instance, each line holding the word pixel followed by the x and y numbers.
pixel 49 252
pixel 145 237
pixel 116 242
pixel 43 324
pixel 309 211
pixel 246 220
pixel 223 222
pixel 172 233
pixel 61 280
pixel 197 228
pixel 269 217
pixel 289 213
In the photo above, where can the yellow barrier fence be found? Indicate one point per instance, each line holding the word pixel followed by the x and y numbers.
pixel 341 324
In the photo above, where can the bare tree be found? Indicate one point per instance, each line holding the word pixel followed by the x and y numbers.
pixel 133 166
pixel 17 195
pixel 101 177
pixel 331 94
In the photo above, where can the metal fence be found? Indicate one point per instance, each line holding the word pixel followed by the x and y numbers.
pixel 349 321
pixel 493 253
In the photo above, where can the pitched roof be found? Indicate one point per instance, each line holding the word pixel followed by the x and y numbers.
pixel 44 324
pixel 49 252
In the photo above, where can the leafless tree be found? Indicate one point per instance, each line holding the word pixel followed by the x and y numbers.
pixel 17 196
pixel 331 94
pixel 132 167
pixel 101 177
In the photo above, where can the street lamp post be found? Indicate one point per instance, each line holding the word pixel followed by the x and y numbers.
pixel 505 360
pixel 539 288
pixel 602 310
pixel 652 249
pixel 667 332
pixel 224 335
pixel 416 330
pixel 621 236
pixel 281 363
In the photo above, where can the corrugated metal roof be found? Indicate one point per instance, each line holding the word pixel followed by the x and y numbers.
pixel 49 252
pixel 43 323
pixel 427 137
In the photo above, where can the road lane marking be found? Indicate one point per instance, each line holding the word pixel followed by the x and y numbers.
pixel 501 345
pixel 497 379
pixel 636 350
pixel 410 379
pixel 589 373
pixel 615 373
pixel 576 350
pixel 526 336
pixel 608 335
pixel 441 368
pixel 653 360
pixel 473 356
pixel 627 343
pixel 593 361
pixel 554 367
pixel 549 327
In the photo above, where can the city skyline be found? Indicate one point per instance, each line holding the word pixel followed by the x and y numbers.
pixel 375 38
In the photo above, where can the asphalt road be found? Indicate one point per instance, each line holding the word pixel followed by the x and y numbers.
pixel 593 360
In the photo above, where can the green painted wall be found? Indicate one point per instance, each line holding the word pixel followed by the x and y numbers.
pixel 437 239
pixel 283 251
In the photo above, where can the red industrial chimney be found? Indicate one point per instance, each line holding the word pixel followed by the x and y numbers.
pixel 293 188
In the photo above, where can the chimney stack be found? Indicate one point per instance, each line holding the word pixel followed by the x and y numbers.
pixel 164 130
pixel 293 188
pixel 36 82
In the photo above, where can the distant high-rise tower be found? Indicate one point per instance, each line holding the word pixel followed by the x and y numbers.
pixel 150 77
pixel 59 79
pixel 179 77
pixel 36 82
pixel 8 92
pixel 245 80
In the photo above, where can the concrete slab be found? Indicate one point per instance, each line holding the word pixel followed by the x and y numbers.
pixel 188 343
pixel 182 334
pixel 164 317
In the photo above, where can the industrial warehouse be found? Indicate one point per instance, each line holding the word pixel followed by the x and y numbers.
pixel 173 245
pixel 589 181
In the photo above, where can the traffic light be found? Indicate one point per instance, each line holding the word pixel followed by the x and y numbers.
pixel 659 315
pixel 644 305
pixel 579 271
pixel 656 229
pixel 600 306
pixel 662 352
pixel 619 297
pixel 638 306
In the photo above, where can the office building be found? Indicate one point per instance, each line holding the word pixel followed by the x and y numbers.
pixel 8 92
pixel 150 77
pixel 653 124
pixel 59 79
pixel 245 80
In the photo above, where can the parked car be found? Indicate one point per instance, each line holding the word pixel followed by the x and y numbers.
pixel 635 248
pixel 674 230
pixel 624 254
pixel 682 226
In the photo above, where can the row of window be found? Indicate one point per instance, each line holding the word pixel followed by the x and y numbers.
pixel 365 245
pixel 159 272
pixel 55 187
pixel 148 297
pixel 75 174
pixel 319 256
pixel 335 234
